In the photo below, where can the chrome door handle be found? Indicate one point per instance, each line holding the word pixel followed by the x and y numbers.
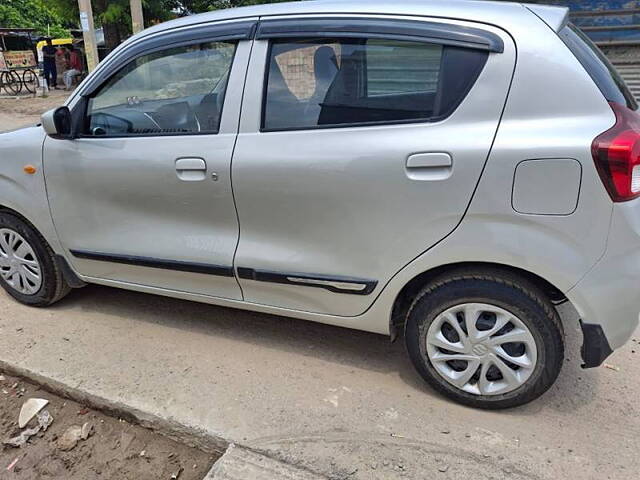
pixel 191 169
pixel 429 166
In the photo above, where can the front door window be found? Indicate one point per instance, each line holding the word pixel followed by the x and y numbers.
pixel 175 91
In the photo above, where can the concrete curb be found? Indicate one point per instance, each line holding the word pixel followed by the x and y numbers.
pixel 239 463
pixel 190 436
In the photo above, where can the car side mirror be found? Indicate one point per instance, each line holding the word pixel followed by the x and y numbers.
pixel 58 123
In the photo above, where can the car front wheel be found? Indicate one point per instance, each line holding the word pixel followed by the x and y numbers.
pixel 28 271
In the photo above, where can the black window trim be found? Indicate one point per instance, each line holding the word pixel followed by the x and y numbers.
pixel 80 110
pixel 410 30
pixel 381 123
pixel 599 56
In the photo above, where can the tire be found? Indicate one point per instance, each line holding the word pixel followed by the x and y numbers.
pixel 491 297
pixel 23 286
pixel 11 82
pixel 30 81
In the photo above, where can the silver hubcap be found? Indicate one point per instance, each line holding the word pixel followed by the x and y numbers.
pixel 481 349
pixel 19 265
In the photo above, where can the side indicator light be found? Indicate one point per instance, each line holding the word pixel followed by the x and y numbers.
pixel 30 169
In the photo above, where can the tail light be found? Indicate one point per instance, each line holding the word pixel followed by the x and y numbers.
pixel 616 153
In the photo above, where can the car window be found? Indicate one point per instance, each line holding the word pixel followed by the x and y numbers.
pixel 319 83
pixel 175 91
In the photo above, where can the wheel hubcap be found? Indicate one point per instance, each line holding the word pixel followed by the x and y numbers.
pixel 481 349
pixel 19 266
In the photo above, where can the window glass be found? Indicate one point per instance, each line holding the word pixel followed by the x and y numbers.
pixel 395 67
pixel 175 91
pixel 297 67
pixel 315 83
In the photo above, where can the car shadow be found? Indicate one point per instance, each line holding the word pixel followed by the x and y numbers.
pixel 574 388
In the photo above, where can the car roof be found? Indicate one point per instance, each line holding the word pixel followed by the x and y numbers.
pixel 491 12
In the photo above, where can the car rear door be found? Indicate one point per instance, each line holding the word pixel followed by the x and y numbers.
pixel 143 195
pixel 361 142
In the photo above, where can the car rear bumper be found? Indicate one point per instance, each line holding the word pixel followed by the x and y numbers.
pixel 608 297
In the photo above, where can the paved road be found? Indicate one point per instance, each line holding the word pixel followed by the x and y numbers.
pixel 342 403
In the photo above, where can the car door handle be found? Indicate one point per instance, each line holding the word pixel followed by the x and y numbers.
pixel 429 166
pixel 191 169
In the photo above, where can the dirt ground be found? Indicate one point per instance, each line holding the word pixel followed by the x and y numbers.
pixel 115 450
pixel 23 111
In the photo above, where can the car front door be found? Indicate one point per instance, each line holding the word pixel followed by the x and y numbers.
pixel 361 143
pixel 143 195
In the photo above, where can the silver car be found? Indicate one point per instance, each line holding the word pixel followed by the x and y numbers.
pixel 445 172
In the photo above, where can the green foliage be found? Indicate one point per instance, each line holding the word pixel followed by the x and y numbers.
pixel 117 11
pixel 36 14
pixel 197 6
pixel 66 9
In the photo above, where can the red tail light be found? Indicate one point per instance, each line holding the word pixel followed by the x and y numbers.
pixel 616 153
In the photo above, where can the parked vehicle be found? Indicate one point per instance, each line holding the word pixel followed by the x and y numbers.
pixel 445 172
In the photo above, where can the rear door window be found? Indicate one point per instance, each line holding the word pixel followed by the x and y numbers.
pixel 323 83
pixel 597 66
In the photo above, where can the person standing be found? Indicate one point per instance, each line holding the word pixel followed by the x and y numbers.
pixel 74 67
pixel 49 61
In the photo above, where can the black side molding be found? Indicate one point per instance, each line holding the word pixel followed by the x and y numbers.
pixel 417 31
pixel 349 285
pixel 67 273
pixel 176 265
pixel 595 346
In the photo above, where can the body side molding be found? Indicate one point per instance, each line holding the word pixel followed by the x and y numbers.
pixel 193 267
pixel 336 284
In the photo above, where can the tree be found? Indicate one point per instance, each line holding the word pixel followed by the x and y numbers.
pixel 197 6
pixel 33 14
pixel 114 16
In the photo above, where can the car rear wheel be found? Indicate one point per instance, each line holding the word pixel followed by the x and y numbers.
pixel 28 271
pixel 485 339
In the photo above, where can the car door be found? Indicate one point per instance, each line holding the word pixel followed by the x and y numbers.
pixel 361 143
pixel 143 194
